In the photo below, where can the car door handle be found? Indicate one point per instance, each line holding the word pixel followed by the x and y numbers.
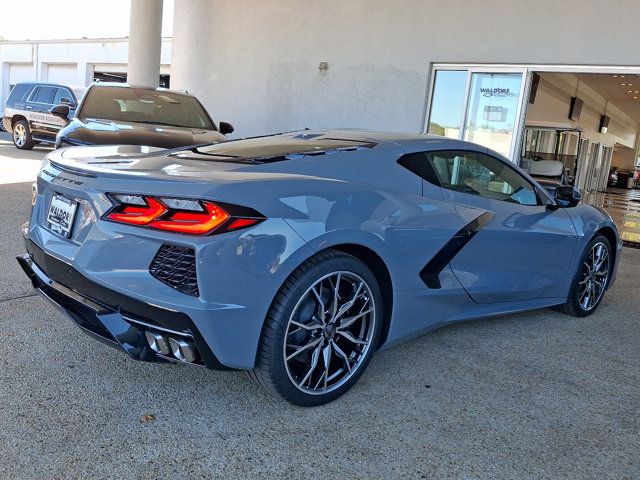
pixel 29 107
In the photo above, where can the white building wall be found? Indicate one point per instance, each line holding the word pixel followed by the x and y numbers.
pixel 66 61
pixel 259 60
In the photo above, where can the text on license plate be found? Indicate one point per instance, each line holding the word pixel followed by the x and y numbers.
pixel 61 214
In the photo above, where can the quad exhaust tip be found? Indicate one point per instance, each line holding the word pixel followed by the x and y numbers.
pixel 182 349
pixel 158 343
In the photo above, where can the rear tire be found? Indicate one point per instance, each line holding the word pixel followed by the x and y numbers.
pixel 591 279
pixel 22 135
pixel 316 344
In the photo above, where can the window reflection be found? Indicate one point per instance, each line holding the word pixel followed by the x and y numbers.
pixel 493 104
pixel 478 174
pixel 447 103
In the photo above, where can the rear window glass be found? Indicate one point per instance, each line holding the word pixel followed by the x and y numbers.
pixel 18 92
pixel 280 146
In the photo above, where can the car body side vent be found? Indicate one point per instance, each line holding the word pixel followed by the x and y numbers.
pixel 430 274
pixel 176 266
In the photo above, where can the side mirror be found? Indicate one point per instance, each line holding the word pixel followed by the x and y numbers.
pixel 567 196
pixel 61 111
pixel 67 101
pixel 226 128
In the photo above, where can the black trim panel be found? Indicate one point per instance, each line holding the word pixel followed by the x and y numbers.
pixel 79 289
pixel 420 164
pixel 430 274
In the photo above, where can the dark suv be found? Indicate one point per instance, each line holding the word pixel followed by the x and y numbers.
pixel 27 113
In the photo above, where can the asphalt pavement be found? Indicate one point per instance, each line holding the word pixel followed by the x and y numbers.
pixel 534 395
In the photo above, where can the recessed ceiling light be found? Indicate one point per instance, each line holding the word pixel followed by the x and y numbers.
pixel 623 84
pixel 635 98
pixel 615 76
pixel 621 76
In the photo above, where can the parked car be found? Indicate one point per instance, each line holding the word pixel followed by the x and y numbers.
pixel 296 256
pixel 115 113
pixel 27 113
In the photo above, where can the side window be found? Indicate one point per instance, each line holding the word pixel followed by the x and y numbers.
pixel 34 93
pixel 63 93
pixel 18 92
pixel 479 174
pixel 43 95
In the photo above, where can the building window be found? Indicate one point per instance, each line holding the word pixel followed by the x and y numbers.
pixel 481 104
pixel 492 108
pixel 447 103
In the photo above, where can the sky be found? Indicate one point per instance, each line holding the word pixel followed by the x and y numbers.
pixel 63 19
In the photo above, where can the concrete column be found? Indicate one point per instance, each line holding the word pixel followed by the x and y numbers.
pixel 193 49
pixel 4 82
pixel 145 33
pixel 85 73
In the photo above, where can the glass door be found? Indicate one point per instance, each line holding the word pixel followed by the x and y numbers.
pixel 479 104
pixel 582 163
pixel 448 103
pixel 595 159
pixel 492 110
pixel 603 172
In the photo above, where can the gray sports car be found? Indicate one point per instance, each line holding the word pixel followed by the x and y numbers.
pixel 296 256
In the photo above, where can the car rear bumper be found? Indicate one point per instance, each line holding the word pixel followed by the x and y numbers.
pixel 111 317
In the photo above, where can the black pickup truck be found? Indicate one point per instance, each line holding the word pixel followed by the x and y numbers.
pixel 27 112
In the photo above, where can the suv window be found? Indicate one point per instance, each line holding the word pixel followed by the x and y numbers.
pixel 63 93
pixel 43 95
pixel 483 175
pixel 18 92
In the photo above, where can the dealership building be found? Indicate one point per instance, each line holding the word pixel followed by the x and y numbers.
pixel 70 62
pixel 503 74
pixel 531 80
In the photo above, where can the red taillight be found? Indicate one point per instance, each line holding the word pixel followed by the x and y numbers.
pixel 242 223
pixel 193 223
pixel 192 217
pixel 136 215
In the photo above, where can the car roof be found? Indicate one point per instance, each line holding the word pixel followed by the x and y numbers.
pixel 49 84
pixel 138 87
